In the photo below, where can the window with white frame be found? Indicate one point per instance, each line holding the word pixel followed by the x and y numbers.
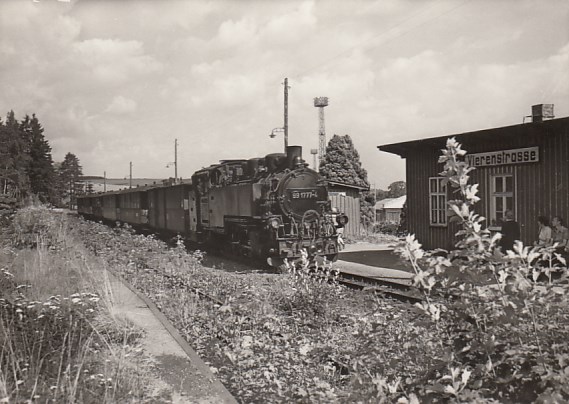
pixel 502 198
pixel 437 202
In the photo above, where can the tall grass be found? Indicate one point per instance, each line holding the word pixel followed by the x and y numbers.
pixel 59 339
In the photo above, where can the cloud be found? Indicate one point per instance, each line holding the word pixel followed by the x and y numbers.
pixel 121 105
pixel 113 61
pixel 233 33
pixel 292 26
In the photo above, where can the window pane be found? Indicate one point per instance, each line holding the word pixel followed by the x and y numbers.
pixel 442 188
pixel 433 216
pixel 442 218
pixel 433 185
pixel 498 184
pixel 509 184
pixel 442 202
pixel 434 205
pixel 509 203
pixel 499 204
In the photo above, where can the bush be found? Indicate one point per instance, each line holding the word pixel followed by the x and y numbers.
pixel 35 225
pixel 386 228
pixel 505 314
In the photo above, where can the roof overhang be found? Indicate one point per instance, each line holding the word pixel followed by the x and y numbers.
pixel 486 135
pixel 344 185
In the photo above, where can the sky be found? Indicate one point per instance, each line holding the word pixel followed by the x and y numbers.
pixel 115 82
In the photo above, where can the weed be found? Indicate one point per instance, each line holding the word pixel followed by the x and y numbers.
pixel 60 341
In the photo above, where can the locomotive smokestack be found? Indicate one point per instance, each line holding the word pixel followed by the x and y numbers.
pixel 293 155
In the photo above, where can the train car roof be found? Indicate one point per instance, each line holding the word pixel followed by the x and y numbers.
pixel 220 164
pixel 143 188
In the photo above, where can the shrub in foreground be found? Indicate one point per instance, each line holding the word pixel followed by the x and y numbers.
pixel 506 313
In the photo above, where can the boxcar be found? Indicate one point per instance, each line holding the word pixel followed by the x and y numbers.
pixel 169 208
pixel 133 206
pixel 110 206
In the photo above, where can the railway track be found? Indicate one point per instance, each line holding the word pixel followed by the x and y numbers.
pixel 389 286
pixel 386 286
pixel 392 287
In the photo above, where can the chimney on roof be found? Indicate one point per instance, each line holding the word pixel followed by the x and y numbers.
pixel 540 112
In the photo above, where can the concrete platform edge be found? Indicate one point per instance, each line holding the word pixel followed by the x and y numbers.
pixel 224 394
pixel 393 275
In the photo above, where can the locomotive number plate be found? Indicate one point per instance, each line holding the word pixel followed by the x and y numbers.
pixel 303 193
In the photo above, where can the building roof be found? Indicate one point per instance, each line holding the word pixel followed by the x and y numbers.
pixel 337 184
pixel 391 203
pixel 486 135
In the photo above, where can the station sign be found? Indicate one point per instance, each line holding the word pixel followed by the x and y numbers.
pixel 503 157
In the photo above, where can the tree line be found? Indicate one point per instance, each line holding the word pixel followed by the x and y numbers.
pixel 27 168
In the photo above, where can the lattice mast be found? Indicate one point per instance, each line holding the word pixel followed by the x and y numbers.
pixel 320 103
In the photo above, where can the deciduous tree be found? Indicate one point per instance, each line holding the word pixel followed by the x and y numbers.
pixel 342 164
pixel 396 189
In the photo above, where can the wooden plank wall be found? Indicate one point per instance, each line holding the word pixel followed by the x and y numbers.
pixel 349 205
pixel 541 188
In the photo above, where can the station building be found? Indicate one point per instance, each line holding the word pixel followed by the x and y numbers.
pixel 523 168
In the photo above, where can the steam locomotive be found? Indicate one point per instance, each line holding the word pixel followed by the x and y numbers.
pixel 272 208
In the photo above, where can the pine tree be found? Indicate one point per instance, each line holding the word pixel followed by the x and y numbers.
pixel 14 160
pixel 69 173
pixel 40 167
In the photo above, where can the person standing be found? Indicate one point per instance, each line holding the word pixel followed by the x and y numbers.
pixel 544 236
pixel 341 221
pixel 560 235
pixel 510 232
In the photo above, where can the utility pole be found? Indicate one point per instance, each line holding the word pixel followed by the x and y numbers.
pixel 104 181
pixel 175 160
pixel 286 113
pixel 130 178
